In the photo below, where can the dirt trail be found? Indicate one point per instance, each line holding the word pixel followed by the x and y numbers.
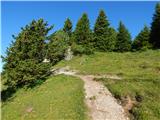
pixel 100 102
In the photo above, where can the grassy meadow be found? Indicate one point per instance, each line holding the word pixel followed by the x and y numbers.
pixel 62 97
pixel 58 98
pixel 140 73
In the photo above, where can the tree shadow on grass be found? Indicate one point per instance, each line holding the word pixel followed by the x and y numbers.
pixel 7 94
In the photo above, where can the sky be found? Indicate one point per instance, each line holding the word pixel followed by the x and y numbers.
pixel 15 15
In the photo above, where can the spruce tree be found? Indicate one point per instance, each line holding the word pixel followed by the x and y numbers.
pixel 83 35
pixel 24 60
pixel 123 42
pixel 103 40
pixel 68 27
pixel 59 42
pixel 155 28
pixel 82 31
pixel 141 42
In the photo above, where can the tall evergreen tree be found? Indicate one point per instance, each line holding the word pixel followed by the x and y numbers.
pixel 155 28
pixel 123 42
pixel 141 42
pixel 102 24
pixel 103 33
pixel 68 27
pixel 83 35
pixel 24 61
pixel 82 31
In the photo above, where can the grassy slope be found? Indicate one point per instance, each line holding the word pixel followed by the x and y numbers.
pixel 60 97
pixel 140 73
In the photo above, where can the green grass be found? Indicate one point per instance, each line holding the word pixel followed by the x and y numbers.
pixel 140 72
pixel 144 91
pixel 58 98
pixel 117 63
pixel 62 97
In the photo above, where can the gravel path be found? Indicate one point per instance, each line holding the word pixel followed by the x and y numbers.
pixel 100 102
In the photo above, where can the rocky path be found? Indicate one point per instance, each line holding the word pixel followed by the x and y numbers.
pixel 100 102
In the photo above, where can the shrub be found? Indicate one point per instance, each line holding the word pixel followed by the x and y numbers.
pixel 80 49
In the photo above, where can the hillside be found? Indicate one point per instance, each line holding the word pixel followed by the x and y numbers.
pixel 90 64
pixel 140 73
pixel 62 97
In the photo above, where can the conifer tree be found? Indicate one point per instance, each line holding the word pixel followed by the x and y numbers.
pixel 59 42
pixel 82 31
pixel 103 40
pixel 68 27
pixel 141 42
pixel 123 42
pixel 83 35
pixel 24 60
pixel 155 28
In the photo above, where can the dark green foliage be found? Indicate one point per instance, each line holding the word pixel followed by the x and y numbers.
pixel 59 42
pixel 155 28
pixel 111 39
pixel 141 42
pixel 104 36
pixel 68 27
pixel 80 49
pixel 102 24
pixel 82 34
pixel 27 72
pixel 123 42
pixel 23 62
